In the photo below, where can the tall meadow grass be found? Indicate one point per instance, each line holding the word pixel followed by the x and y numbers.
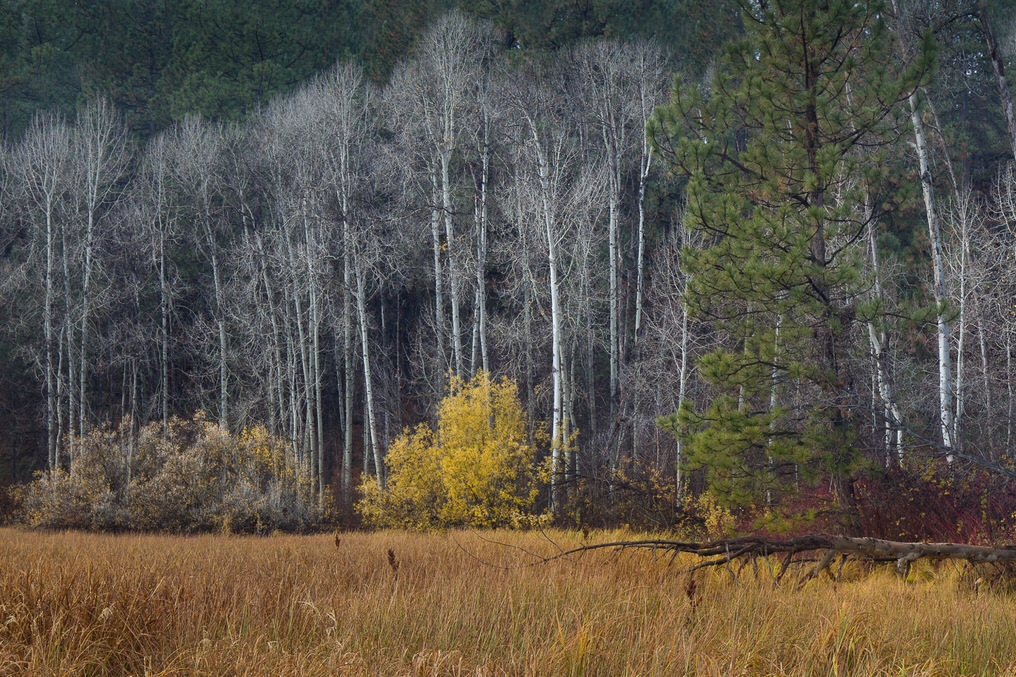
pixel 468 603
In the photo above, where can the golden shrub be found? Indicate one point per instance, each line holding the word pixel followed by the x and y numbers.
pixel 476 468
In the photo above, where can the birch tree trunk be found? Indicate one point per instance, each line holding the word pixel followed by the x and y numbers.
pixel 436 247
pixel 41 163
pixel 370 430
pixel 945 398
pixel 155 171
pixel 349 101
pixel 101 148
pixel 481 244
pixel 549 225
pixel 878 340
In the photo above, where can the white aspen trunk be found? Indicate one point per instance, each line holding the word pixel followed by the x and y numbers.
pixel 221 326
pixel 646 164
pixel 279 405
pixel 68 339
pixel 773 381
pixel 292 385
pixel 347 357
pixel 961 332
pixel 877 341
pixel 101 153
pixel 220 303
pixel 891 410
pixel 310 238
pixel 304 374
pixel 318 400
pixel 568 416
pixel 938 284
pixel 163 221
pixel 613 198
pixel 348 122
pixel 86 295
pixel 435 239
pixel 557 418
pixel 481 246
pixel 1009 388
pixel 590 332
pixel 163 333
pixel 475 343
pixel 347 392
pixel 51 397
pixel 42 166
pixel 938 266
pixel 682 380
pixel 371 427
pixel 60 400
pixel 452 248
pixel 982 343
pixel 556 318
pixel 350 111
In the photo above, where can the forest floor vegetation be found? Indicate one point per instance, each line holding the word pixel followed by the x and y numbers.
pixel 472 603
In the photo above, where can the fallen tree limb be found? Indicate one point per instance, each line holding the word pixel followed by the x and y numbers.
pixel 727 550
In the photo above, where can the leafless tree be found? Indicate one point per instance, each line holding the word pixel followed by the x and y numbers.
pixel 99 142
pixel 42 162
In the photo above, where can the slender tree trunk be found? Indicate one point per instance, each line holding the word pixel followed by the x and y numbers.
pixel 60 400
pixel 613 200
pixel 86 297
pixel 938 283
pixel 877 341
pixel 1010 400
pixel 938 267
pixel 645 165
pixel 347 358
pixel 368 387
pixel 961 331
pixel 52 440
pixel 435 239
pixel 481 248
pixel 682 389
pixel 304 364
pixel 982 344
pixel 68 339
pixel 279 405
pixel 101 148
pixel 557 432
pixel 310 239
pixel 163 332
pixel 221 326
pixel 452 255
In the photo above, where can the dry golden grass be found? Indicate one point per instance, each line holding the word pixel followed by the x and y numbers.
pixel 77 604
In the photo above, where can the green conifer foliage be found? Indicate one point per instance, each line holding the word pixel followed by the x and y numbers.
pixel 781 153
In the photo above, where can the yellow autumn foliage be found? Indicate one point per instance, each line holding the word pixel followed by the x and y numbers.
pixel 476 469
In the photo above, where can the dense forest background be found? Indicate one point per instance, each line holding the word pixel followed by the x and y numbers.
pixel 309 216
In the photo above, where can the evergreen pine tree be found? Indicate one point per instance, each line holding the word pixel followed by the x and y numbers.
pixel 781 154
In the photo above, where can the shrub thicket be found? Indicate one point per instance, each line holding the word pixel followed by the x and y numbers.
pixel 476 469
pixel 194 476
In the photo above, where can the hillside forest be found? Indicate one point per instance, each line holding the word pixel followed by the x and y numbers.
pixel 749 266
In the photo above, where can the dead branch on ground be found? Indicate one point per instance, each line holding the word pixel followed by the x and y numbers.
pixel 824 549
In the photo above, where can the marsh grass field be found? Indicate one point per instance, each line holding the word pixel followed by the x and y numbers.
pixel 469 603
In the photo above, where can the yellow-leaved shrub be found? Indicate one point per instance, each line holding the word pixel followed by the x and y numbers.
pixel 476 469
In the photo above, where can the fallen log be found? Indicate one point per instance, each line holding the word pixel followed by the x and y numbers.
pixel 748 548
